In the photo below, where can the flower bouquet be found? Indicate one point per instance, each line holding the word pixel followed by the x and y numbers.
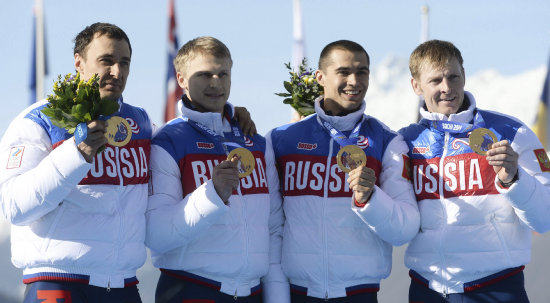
pixel 302 89
pixel 77 101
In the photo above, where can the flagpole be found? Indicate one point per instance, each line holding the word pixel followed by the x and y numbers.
pixel 39 44
pixel 424 28
pixel 424 36
pixel 298 48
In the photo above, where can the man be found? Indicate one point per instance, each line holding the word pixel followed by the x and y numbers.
pixel 208 230
pixel 78 223
pixel 477 209
pixel 78 226
pixel 340 227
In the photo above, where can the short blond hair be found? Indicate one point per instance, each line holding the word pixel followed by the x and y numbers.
pixel 435 52
pixel 200 45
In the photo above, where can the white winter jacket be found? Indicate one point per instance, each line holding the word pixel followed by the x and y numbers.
pixel 189 227
pixel 72 218
pixel 332 248
pixel 471 227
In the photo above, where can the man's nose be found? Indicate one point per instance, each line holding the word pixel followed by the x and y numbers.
pixel 444 86
pixel 352 79
pixel 115 71
pixel 215 81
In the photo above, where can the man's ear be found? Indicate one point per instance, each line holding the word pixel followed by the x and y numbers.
pixel 416 87
pixel 78 62
pixel 319 77
pixel 182 82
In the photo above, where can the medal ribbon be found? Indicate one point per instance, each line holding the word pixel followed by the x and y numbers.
pixel 221 140
pixel 339 137
pixel 455 127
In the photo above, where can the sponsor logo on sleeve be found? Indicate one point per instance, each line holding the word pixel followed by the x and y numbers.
pixel 542 157
pixel 15 157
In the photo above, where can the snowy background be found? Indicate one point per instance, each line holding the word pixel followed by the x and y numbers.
pixel 391 99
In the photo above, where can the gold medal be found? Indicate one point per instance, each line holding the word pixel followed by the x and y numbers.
pixel 481 140
pixel 350 157
pixel 246 161
pixel 118 131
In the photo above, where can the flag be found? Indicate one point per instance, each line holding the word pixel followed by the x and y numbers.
pixel 541 127
pixel 38 55
pixel 173 90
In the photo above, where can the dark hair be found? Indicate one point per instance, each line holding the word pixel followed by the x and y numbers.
pixel 435 52
pixel 343 45
pixel 83 39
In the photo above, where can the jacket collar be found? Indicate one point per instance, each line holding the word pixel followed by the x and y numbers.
pixel 211 120
pixel 341 123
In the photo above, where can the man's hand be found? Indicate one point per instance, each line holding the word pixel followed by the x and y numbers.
pixel 94 140
pixel 226 178
pixel 245 121
pixel 504 160
pixel 361 180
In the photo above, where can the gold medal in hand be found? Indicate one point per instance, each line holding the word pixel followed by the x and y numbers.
pixel 350 157
pixel 481 140
pixel 118 131
pixel 245 159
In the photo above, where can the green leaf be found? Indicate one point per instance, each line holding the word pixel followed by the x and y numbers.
pixel 287 86
pixel 108 107
pixel 283 94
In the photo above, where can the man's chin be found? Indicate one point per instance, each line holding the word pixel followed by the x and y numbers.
pixel 113 96
pixel 352 103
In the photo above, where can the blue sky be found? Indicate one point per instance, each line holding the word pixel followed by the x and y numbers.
pixel 509 36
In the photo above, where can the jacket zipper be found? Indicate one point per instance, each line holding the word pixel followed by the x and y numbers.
pixel 325 196
pixel 246 234
pixel 442 197
pixel 119 212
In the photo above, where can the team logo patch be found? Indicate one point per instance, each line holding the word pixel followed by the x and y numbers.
pixel 133 125
pixel 15 157
pixel 205 145
pixel 307 146
pixel 542 157
pixel 421 150
pixel 457 143
pixel 248 142
pixel 362 142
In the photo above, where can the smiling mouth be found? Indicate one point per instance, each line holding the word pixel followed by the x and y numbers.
pixel 448 99
pixel 112 85
pixel 352 92
pixel 214 95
